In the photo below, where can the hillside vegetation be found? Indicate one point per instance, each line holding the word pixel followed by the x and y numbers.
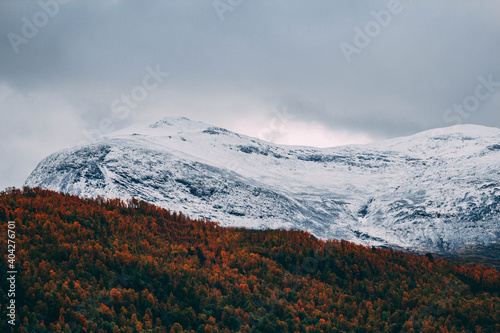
pixel 95 265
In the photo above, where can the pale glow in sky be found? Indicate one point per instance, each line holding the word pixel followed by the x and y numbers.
pixel 299 133
pixel 316 135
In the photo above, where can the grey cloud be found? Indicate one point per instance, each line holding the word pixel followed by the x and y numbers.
pixel 263 55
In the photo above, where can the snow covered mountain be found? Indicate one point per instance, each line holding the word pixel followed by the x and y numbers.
pixel 438 190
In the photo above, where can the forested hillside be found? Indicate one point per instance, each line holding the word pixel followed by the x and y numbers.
pixel 95 265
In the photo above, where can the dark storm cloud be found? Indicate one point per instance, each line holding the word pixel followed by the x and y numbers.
pixel 241 63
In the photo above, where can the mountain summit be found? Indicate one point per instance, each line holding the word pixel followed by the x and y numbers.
pixel 438 190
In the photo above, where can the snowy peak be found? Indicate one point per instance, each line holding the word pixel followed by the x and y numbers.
pixel 181 124
pixel 164 127
pixel 438 190
pixel 453 140
pixel 169 128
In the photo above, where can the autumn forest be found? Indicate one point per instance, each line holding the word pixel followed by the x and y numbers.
pixel 98 265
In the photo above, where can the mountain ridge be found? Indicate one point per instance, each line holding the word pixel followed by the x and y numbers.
pixel 411 192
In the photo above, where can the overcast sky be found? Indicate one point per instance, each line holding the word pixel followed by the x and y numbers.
pixel 319 73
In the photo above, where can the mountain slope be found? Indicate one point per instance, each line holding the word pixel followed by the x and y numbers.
pixel 438 190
